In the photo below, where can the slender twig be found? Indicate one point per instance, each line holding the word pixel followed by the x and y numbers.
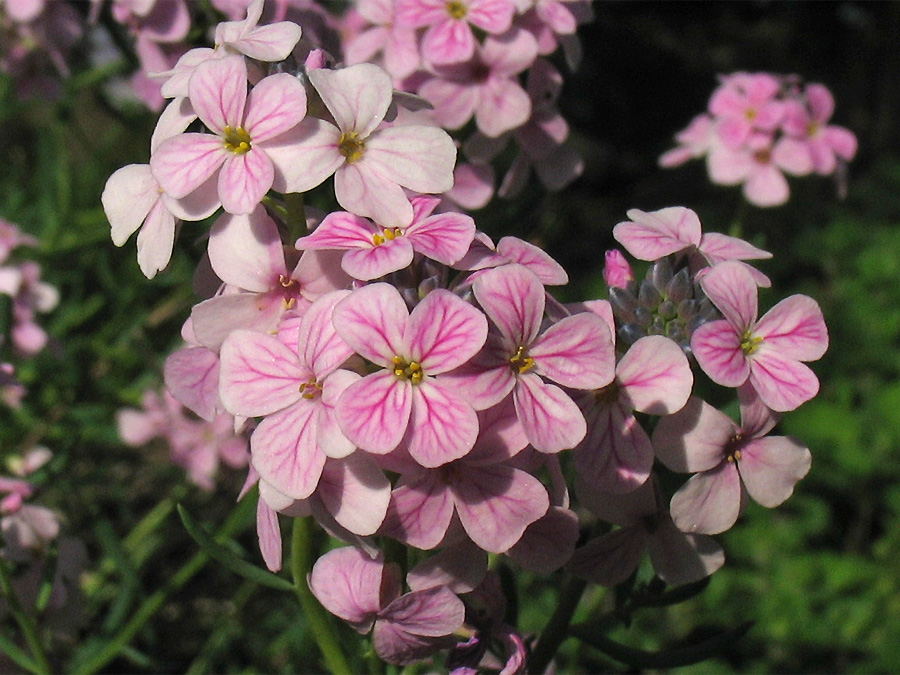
pixel 28 627
pixel 319 621
pixel 557 628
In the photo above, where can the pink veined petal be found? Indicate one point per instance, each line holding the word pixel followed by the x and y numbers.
pixel 418 13
pixel 548 543
pixel 609 560
pixel 218 92
pixel 393 644
pixel 420 511
pixel 502 106
pixel 331 438
pixel 695 438
pixel 795 328
pixel 214 319
pixel 130 193
pixel 420 158
pixel 461 568
pixel 733 291
pixel 783 384
pixel 649 236
pixel 727 166
pixel 284 450
pixel 509 54
pixel 442 425
pixel 319 272
pixel 270 43
pixel 445 237
pixel 373 262
pixel 245 251
pixel 488 378
pixel 176 117
pixel 655 376
pixel 616 455
pixel 355 492
pixel 184 163
pixel 710 502
pixel 770 467
pixel 179 76
pixel 320 347
pixel 305 155
pixel 493 16
pixel 718 247
pixel 515 250
pixel 258 375
pixel 766 186
pixel 339 231
pixel 513 298
pixel 500 436
pixel 497 503
pixel 244 181
pixel 444 332
pixel 448 41
pixel 348 584
pixel 433 612
pixel 717 348
pixel 551 419
pixel 454 103
pixel 198 205
pixel 357 96
pixel 375 412
pixel 680 558
pixel 192 376
pixel 577 352
pixel 155 240
pixel 269 535
pixel 277 103
pixel 362 190
pixel 372 320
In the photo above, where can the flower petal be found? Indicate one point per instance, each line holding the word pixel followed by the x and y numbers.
pixel 710 502
pixel 284 450
pixel 577 352
pixel 442 426
pixel 372 320
pixel 551 419
pixel 375 412
pixel 655 376
pixel 444 332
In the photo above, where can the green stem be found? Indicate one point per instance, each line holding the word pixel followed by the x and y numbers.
pixel 295 217
pixel 17 654
pixel 557 628
pixel 318 619
pixel 29 630
pixel 233 524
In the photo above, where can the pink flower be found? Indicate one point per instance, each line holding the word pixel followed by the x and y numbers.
pixel 449 38
pixel 371 164
pixel 408 401
pixel 253 141
pixel 576 352
pixel 744 103
pixel 730 462
pixel 808 120
pixel 366 593
pixel 696 140
pixel 373 251
pixel 617 272
pixel 397 43
pixel 767 352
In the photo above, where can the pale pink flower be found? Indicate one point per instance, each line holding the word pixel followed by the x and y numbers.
pixel 397 44
pixel 576 352
pixel 371 164
pixel 808 120
pixel 408 402
pixel 766 352
pixel 253 140
pixel 745 103
pixel 366 592
pixel 484 255
pixel 730 462
pixel 295 391
pixel 449 38
pixel 30 296
pixel 373 251
pixel 696 140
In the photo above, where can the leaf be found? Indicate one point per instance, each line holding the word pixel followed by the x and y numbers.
pixel 670 658
pixel 237 565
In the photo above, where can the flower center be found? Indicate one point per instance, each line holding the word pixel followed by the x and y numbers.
pixel 750 114
pixel 608 394
pixel 386 235
pixel 521 362
pixel 310 390
pixel 812 128
pixel 407 370
pixel 733 454
pixel 749 344
pixel 291 291
pixel 237 140
pixel 351 146
pixel 456 9
pixel 763 156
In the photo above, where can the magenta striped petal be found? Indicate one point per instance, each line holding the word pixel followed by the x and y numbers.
pixel 493 16
pixel 513 298
pixel 244 181
pixel 449 41
pixel 192 376
pixel 649 236
pixel 444 332
pixel 357 96
pixel 655 376
pixel 348 584
pixel 770 467
pixel 432 612
pixel 362 189
pixel 442 426
pixel 548 543
pixel 338 231
pixel 731 288
pixel 258 375
pixel 782 384
pixel 496 503
pixel 269 535
pixel 551 419
pixel 550 272
pixel 218 92
pixel 184 163
pixel 372 320
pixel 710 502
pixel 305 155
pixel 370 263
pixel 576 352
pixel 320 347
pixel 216 318
pixel 277 103
pixel 487 379
pixel 420 511
pixel 718 247
pixel 695 438
pixel 418 157
pixel 616 455
pixel 375 411
pixel 795 328
pixel 445 237
pixel 717 348
pixel 284 450
pixel 355 492
pixel 331 438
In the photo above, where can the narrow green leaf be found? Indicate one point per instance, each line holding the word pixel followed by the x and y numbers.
pixel 669 658
pixel 229 559
pixel 672 596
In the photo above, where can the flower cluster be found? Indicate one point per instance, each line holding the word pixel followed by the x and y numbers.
pixel 760 126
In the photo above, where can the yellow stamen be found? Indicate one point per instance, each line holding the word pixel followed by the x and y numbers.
pixel 407 370
pixel 521 362
pixel 237 140
pixel 351 146
pixel 386 235
pixel 749 343
pixel 310 390
pixel 457 9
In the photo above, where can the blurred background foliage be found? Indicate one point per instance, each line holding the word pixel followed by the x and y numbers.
pixel 820 576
